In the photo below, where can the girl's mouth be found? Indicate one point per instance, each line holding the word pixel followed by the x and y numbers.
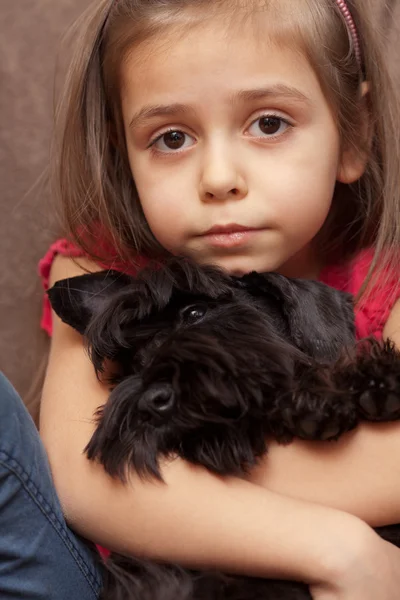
pixel 229 236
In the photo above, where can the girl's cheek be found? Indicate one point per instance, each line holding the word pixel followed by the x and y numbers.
pixel 163 196
pixel 167 218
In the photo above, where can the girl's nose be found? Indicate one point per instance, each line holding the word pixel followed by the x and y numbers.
pixel 221 179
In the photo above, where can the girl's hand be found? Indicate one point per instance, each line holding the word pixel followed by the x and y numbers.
pixel 371 573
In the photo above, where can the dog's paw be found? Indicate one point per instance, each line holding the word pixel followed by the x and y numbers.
pixel 376 383
pixel 323 417
pixel 380 400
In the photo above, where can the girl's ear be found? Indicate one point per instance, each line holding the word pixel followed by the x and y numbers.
pixel 354 160
pixel 78 299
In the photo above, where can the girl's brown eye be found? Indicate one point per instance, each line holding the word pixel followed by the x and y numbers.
pixel 174 139
pixel 171 141
pixel 270 125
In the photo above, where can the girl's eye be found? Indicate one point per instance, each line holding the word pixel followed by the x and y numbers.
pixel 170 141
pixel 269 126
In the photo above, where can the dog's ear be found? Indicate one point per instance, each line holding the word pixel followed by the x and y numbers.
pixel 77 300
pixel 319 319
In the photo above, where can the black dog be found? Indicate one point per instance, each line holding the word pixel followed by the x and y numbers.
pixel 209 367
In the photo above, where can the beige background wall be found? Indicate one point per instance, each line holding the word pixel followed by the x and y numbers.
pixel 30 31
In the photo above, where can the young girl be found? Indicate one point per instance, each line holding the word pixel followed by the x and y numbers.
pixel 256 135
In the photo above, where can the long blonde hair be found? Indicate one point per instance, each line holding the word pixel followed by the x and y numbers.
pixel 91 174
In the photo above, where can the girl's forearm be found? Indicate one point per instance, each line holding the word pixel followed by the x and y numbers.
pixel 200 520
pixel 359 474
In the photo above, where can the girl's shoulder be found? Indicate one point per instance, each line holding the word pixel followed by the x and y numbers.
pixel 372 312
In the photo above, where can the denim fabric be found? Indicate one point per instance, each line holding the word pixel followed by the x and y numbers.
pixel 40 557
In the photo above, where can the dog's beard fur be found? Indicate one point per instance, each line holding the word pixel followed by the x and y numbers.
pixel 220 418
pixel 209 367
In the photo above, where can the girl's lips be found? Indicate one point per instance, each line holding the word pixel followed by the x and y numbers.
pixel 230 236
pixel 229 228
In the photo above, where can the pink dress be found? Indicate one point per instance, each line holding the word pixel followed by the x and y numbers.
pixel 370 317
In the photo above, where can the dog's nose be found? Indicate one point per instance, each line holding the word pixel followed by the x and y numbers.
pixel 158 400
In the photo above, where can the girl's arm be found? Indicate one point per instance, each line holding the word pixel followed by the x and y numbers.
pixel 196 518
pixel 360 474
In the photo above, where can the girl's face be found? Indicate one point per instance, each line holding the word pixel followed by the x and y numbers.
pixel 233 148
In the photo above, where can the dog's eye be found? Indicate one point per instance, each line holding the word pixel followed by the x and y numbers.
pixel 194 313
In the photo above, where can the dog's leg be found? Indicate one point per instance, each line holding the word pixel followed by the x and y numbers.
pixel 329 402
pixel 129 578
pixel 135 579
pixel 316 410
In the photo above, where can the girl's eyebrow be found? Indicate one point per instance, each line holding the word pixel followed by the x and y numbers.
pixel 278 91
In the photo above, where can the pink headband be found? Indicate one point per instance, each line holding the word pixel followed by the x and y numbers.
pixel 344 9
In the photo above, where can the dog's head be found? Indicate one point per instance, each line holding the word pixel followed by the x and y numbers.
pixel 200 354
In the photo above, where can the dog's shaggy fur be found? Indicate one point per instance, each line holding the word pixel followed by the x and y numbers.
pixel 209 367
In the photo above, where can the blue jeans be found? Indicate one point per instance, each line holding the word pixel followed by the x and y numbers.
pixel 40 557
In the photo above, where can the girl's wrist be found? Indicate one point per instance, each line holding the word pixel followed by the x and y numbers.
pixel 345 550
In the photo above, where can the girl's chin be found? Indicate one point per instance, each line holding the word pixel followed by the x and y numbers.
pixel 238 268
pixel 235 264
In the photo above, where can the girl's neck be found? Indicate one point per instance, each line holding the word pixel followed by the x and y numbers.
pixel 306 264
